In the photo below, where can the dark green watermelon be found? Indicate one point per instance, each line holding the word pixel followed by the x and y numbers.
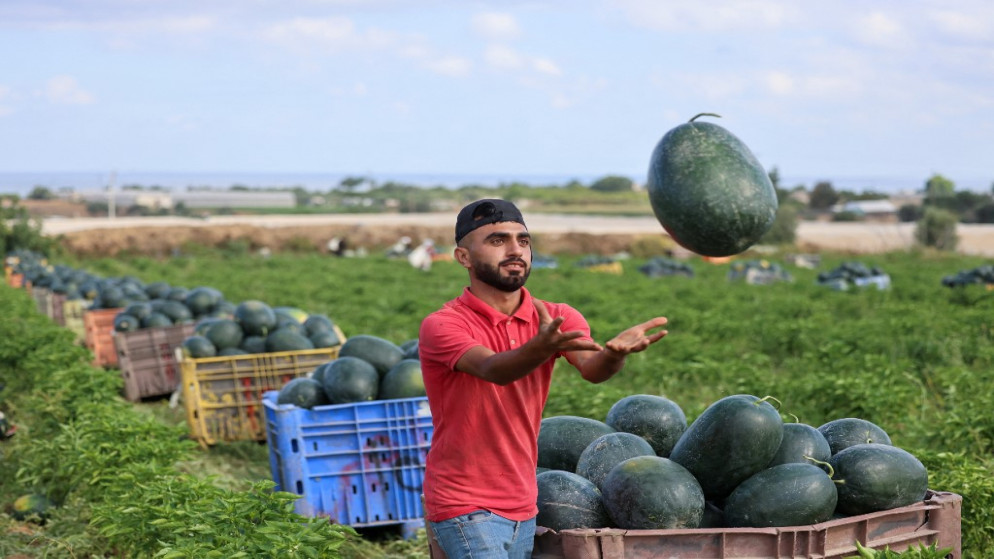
pixel 607 451
pixel 257 318
pixel 403 380
pixel 224 333
pixel 656 419
pixel 201 300
pixel 801 443
pixel 708 190
pixel 156 320
pixel 197 347
pixel 126 322
pixel 350 379
pixel 287 340
pixel 254 344
pixel 326 338
pixel 567 501
pixel 302 392
pixel 791 494
pixel 317 322
pixel 733 438
pixel 873 477
pixel 563 438
pixel 652 493
pixel 848 431
pixel 381 353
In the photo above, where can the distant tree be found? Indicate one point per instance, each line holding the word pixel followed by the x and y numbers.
pixel 784 228
pixel 938 186
pixel 823 196
pixel 612 183
pixel 910 212
pixel 350 184
pixel 937 229
pixel 985 213
pixel 774 175
pixel 41 193
pixel 847 216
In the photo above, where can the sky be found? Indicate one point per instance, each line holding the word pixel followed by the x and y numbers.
pixel 819 90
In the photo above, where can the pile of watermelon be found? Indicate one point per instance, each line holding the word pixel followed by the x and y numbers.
pixel 256 327
pixel 982 275
pixel 164 305
pixel 661 267
pixel 758 272
pixel 736 465
pixel 367 368
pixel 853 274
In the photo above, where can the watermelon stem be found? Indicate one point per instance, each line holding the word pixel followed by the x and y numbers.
pixel 698 115
pixel 831 470
pixel 765 398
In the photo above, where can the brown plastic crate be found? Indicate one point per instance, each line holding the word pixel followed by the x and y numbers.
pixel 43 299
pixel 147 359
pixel 934 520
pixel 223 395
pixel 99 326
pixel 55 304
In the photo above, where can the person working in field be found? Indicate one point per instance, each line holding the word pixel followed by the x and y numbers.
pixel 487 358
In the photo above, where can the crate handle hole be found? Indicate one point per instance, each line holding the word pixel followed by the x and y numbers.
pixel 300 487
pixel 373 488
pixel 293 446
pixel 355 490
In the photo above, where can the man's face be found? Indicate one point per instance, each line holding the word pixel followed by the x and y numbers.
pixel 500 255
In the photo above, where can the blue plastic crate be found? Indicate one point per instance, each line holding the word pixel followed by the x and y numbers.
pixel 359 464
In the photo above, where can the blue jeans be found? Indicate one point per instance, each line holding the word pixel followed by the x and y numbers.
pixel 482 534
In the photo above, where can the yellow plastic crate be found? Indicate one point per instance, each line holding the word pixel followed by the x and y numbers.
pixel 72 315
pixel 223 395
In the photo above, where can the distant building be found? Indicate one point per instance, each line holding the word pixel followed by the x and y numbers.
pixel 234 199
pixel 157 199
pixel 882 210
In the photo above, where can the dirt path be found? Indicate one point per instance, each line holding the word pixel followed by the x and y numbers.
pixel 559 233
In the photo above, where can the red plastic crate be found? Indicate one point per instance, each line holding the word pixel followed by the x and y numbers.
pixel 99 325
pixel 935 520
pixel 147 359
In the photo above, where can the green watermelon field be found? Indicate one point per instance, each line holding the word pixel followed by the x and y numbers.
pixel 916 359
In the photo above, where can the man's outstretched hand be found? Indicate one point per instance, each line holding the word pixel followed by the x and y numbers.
pixel 637 338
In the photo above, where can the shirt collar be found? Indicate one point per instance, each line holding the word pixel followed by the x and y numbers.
pixel 525 312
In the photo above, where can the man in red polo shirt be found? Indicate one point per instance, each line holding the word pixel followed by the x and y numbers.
pixel 487 358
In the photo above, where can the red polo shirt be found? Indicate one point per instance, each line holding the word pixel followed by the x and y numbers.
pixel 484 448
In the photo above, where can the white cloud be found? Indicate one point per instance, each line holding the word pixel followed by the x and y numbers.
pixel 453 66
pixel 496 26
pixel 718 15
pixel 546 66
pixel 64 90
pixel 961 25
pixel 779 83
pixel 882 30
pixel 502 57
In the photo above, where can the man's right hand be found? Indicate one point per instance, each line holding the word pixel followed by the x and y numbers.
pixel 550 336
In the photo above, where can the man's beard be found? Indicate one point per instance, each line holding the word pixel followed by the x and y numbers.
pixel 490 275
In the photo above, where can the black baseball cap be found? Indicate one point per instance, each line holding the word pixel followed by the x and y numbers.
pixel 484 212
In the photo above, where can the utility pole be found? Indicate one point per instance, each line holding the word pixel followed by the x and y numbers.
pixel 111 198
